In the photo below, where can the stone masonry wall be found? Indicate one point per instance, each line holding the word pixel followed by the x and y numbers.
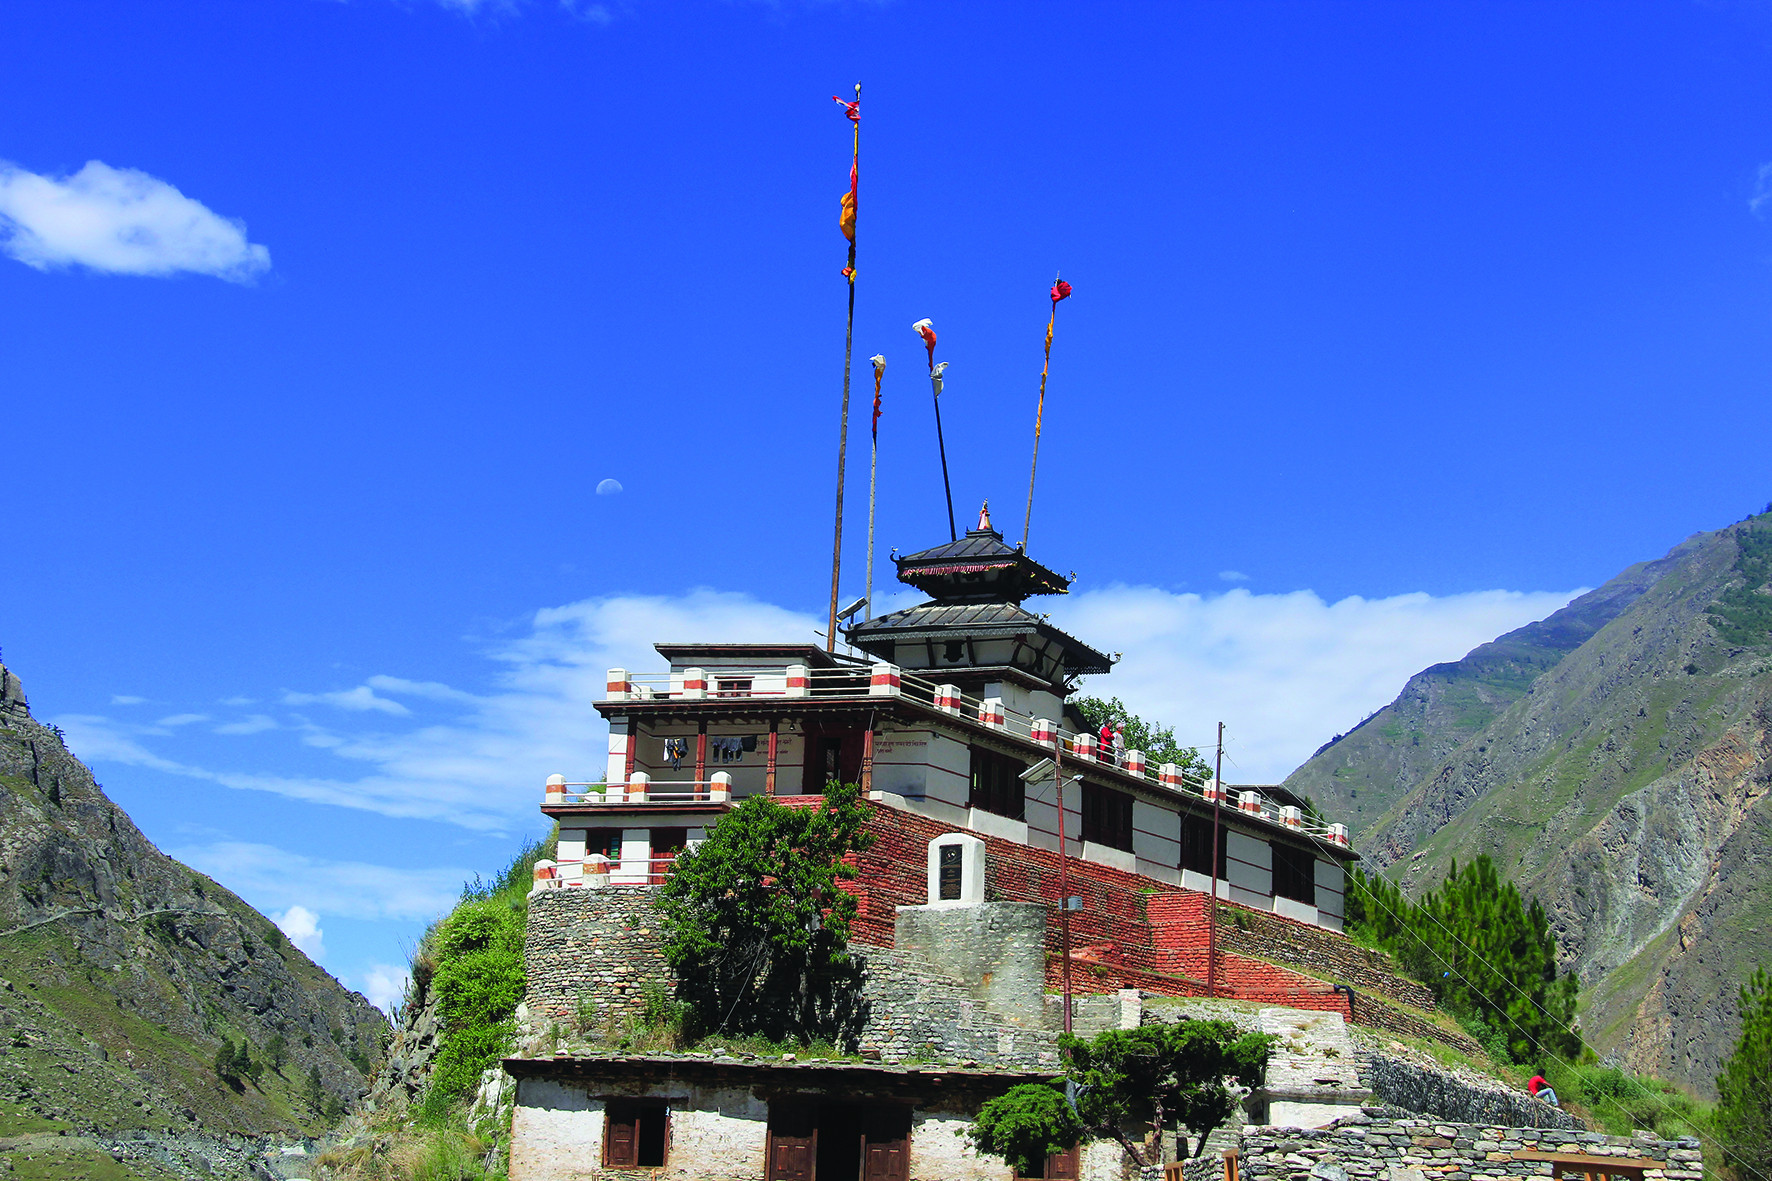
pixel 1447 1096
pixel 592 950
pixel 1411 1150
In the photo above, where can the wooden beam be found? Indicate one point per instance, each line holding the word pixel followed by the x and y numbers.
pixel 769 770
pixel 1616 1166
pixel 701 754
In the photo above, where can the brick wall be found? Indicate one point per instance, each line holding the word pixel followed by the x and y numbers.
pixel 1133 931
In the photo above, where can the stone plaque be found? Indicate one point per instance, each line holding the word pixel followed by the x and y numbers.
pixel 950 873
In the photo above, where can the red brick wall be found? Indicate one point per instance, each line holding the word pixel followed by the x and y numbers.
pixel 1133 931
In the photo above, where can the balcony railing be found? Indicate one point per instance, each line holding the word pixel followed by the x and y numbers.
pixel 600 873
pixel 798 681
pixel 641 788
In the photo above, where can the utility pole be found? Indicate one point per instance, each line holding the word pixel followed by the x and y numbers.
pixel 1064 882
pixel 1212 910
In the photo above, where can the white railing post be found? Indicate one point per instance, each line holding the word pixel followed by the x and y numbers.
pixel 799 680
pixel 1249 801
pixel 885 681
pixel 990 712
pixel 1169 775
pixel 1086 747
pixel 1134 763
pixel 1292 817
pixel 596 872
pixel 638 783
pixel 556 790
pixel 618 688
pixel 1214 792
pixel 1043 732
pixel 695 683
pixel 1338 835
pixel 948 699
pixel 544 876
pixel 720 789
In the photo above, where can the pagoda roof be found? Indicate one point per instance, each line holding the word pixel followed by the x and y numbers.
pixel 946 621
pixel 980 566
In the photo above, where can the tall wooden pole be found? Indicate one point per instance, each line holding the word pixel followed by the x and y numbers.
pixel 1064 883
pixel 1040 414
pixel 879 363
pixel 1212 910
pixel 830 635
pixel 935 385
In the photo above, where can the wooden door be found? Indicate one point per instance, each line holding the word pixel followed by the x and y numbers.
pixel 793 1142
pixel 886 1152
pixel 1062 1166
pixel 666 843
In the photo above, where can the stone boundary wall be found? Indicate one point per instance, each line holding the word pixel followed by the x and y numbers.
pixel 596 948
pixel 1375 1014
pixel 1275 937
pixel 1449 1096
pixel 1408 1150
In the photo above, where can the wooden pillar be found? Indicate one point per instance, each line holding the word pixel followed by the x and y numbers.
pixel 867 761
pixel 633 749
pixel 701 753
pixel 769 771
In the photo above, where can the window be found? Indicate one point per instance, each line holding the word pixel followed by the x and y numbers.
pixel 953 651
pixel 606 841
pixel 1060 1166
pixel 1295 874
pixel 634 1133
pixel 1196 844
pixel 732 687
pixel 811 1141
pixel 1107 817
pixel 996 784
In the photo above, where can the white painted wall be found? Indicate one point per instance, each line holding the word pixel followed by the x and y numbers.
pixel 557 1133
pixel 1331 899
pixel 1156 840
pixel 940 1153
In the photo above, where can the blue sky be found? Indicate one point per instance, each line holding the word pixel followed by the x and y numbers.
pixel 1394 325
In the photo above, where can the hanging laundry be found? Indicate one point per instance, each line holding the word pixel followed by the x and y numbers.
pixel 676 750
pixel 748 742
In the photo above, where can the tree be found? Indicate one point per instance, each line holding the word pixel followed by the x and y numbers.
pixel 1157 742
pixel 313 1092
pixel 1025 1125
pixel 224 1062
pixel 1488 955
pixel 277 1052
pixel 756 927
pixel 242 1066
pixel 1167 1077
pixel 1744 1089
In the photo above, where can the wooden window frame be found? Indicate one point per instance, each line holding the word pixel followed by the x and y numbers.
pixel 636 1110
pixel 1298 881
pixel 1196 837
pixel 1107 817
pixel 997 786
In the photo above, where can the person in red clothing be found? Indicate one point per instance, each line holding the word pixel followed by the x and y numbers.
pixel 1107 742
pixel 1541 1088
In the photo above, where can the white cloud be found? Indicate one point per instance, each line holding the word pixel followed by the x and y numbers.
pixel 303 928
pixel 1284 672
pixel 1762 194
pixel 123 699
pixel 1233 576
pixel 385 986
pixel 360 699
pixel 274 879
pixel 122 222
pixel 182 719
pixel 256 724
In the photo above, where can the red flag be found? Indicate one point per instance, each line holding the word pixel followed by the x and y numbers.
pixel 926 330
pixel 851 109
pixel 1060 290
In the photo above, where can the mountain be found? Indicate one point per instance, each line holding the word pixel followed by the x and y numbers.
pixel 1614 760
pixel 121 972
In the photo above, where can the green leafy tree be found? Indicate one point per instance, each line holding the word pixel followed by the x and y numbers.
pixel 1486 952
pixel 242 1065
pixel 1025 1125
pixel 479 984
pixel 1174 1077
pixel 1744 1089
pixel 313 1091
pixel 277 1052
pixel 224 1062
pixel 1157 742
pixel 756 927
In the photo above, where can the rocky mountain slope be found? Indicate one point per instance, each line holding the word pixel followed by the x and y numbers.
pixel 121 971
pixel 1614 760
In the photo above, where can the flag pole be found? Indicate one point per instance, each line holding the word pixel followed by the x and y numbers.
pixel 935 383
pixel 847 222
pixel 1060 289
pixel 879 363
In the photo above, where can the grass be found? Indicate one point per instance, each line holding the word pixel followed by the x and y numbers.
pixel 398 1149
pixel 75 1163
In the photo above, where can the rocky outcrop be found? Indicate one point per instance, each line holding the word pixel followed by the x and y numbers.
pixel 1624 785
pixel 121 971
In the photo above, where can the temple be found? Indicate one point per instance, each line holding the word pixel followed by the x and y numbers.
pixel 954 716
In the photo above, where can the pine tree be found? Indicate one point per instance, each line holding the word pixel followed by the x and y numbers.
pixel 277 1051
pixel 224 1061
pixel 1744 1089
pixel 315 1095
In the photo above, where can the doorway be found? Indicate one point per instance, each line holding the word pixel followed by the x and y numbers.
pixel 832 752
pixel 811 1140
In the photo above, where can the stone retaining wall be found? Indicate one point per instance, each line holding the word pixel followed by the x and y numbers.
pixel 1449 1096
pixel 1409 1150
